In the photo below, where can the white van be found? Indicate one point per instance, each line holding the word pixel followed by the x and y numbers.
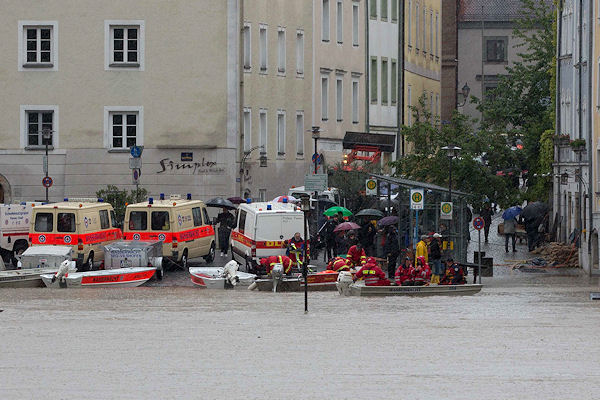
pixel 182 225
pixel 261 230
pixel 14 229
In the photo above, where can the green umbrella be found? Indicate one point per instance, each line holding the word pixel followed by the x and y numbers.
pixel 332 211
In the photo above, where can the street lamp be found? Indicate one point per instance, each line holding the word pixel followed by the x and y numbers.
pixel 305 210
pixel 316 135
pixel 451 152
pixel 46 140
pixel 465 95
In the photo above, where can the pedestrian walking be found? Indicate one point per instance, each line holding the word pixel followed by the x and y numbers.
pixel 435 255
pixel 391 249
pixel 486 214
pixel 226 222
pixel 510 229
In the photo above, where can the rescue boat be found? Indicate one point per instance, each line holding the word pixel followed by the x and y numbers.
pixel 20 278
pixel 321 281
pixel 346 287
pixel 119 277
pixel 220 277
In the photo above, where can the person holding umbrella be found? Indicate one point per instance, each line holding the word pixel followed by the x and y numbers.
pixel 226 222
pixel 510 226
pixel 391 249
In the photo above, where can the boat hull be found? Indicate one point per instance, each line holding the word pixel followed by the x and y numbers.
pixel 120 277
pixel 316 282
pixel 360 289
pixel 24 278
pixel 210 278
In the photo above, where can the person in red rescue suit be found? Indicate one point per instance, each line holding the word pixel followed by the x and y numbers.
pixel 295 249
pixel 269 262
pixel 422 272
pixel 338 264
pixel 454 274
pixel 356 255
pixel 404 273
pixel 372 274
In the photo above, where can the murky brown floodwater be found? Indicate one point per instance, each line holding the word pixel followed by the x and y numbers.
pixel 525 336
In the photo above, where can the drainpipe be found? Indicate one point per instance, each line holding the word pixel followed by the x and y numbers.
pixel 579 115
pixel 367 80
pixel 590 135
pixel 241 93
pixel 557 110
pixel 400 83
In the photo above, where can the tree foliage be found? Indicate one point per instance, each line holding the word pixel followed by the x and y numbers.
pixel 119 198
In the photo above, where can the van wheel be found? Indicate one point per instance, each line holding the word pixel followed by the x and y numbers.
pixel 17 251
pixel 184 260
pixel 211 255
pixel 90 262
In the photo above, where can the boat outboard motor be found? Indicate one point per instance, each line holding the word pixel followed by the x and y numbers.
pixel 63 271
pixel 230 274
pixel 343 283
pixel 277 274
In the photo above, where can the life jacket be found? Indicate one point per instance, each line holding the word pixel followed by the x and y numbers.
pixel 338 264
pixel 372 274
pixel 402 274
pixel 454 275
pixel 357 257
pixel 270 262
pixel 422 273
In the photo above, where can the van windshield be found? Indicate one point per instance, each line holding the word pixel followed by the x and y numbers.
pixel 65 222
pixel 278 226
pixel 160 221
pixel 44 222
pixel 138 221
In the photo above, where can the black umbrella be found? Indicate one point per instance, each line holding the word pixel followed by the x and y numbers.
pixel 369 212
pixel 534 210
pixel 221 203
pixel 389 220
pixel 236 200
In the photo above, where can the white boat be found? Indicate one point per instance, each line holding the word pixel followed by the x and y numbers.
pixel 279 282
pixel 346 287
pixel 33 263
pixel 19 278
pixel 119 277
pixel 221 277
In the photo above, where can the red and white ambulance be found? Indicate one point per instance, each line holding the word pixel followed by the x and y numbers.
pixel 261 229
pixel 182 225
pixel 85 224
pixel 15 220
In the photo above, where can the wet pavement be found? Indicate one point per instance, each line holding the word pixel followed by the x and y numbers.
pixel 526 336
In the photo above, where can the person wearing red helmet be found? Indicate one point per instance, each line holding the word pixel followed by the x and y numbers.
pixel 422 273
pixel 356 255
pixel 338 264
pixel 403 273
pixel 269 262
pixel 372 274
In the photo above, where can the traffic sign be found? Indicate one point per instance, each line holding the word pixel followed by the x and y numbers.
pixel 135 163
pixel 135 175
pixel 478 223
pixel 417 199
pixel 446 210
pixel 45 167
pixel 136 151
pixel 47 181
pixel 371 187
pixel 315 182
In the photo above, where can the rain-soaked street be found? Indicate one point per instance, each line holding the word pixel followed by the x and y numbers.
pixel 526 336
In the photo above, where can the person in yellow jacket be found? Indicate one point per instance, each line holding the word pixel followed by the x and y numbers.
pixel 422 249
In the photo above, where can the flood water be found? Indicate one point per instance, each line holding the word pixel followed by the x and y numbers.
pixel 526 336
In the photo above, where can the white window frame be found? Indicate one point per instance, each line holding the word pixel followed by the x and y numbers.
pixel 326 23
pixel 417 27
pixel 339 98
pixel 247 126
pixel 108 111
pixel 263 49
pixel 393 82
pixel 356 24
pixel 281 133
pixel 108 45
pixel 385 81
pixel 374 81
pixel 339 24
pixel 300 134
pixel 437 32
pixel 324 98
pixel 247 43
pixel 431 32
pixel 424 30
pixel 281 57
pixel 355 101
pixel 24 110
pixel 409 23
pixel 22 64
pixel 409 105
pixel 300 52
pixel 263 137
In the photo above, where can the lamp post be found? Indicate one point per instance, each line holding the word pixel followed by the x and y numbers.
pixel 451 152
pixel 305 210
pixel 316 134
pixel 46 140
pixel 465 95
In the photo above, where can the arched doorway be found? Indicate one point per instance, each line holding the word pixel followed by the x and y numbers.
pixel 5 191
pixel 1 194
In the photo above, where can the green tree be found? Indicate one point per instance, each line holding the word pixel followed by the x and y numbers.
pixel 119 198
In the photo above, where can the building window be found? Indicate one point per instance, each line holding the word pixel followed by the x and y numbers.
pixel 262 49
pixel 417 26
pixel 325 33
pixel 355 102
pixel 247 42
pixel 431 104
pixel 384 9
pixel 495 49
pixel 437 104
pixel 384 81
pixel 340 22
pixel 124 44
pixel 36 121
pixel 373 9
pixel 280 132
pixel 394 82
pixel 409 108
pixel 394 10
pixel 374 81
pixel 262 120
pixel 437 28
pixel 431 32
pixel 324 98
pixel 300 133
pixel 409 23
pixel 339 95
pixel 38 43
pixel 123 127
pixel 355 24
pixel 424 28
pixel 300 52
pixel 262 194
pixel 281 50
pixel 247 128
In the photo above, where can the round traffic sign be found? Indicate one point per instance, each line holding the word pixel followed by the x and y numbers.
pixel 371 184
pixel 446 208
pixel 136 151
pixel 478 223
pixel 417 197
pixel 47 181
